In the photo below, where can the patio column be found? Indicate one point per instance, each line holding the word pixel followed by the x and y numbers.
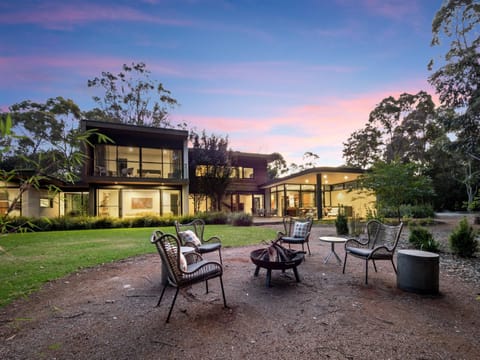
pixel 318 196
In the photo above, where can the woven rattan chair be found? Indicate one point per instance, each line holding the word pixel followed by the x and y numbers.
pixel 380 244
pixel 195 269
pixel 296 231
pixel 198 227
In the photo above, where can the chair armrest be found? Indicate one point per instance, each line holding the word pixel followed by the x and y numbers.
pixel 380 249
pixel 356 243
pixel 204 267
pixel 214 239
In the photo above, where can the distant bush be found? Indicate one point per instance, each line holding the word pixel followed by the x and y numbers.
pixel 215 217
pixel 423 239
pixel 22 223
pixel 241 219
pixel 463 240
pixel 409 212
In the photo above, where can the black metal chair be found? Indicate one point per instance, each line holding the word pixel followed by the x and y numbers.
pixel 380 244
pixel 204 246
pixel 184 273
pixel 296 231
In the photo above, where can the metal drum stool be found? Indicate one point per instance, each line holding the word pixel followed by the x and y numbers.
pixel 418 271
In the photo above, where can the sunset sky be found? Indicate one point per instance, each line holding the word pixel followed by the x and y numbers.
pixel 274 75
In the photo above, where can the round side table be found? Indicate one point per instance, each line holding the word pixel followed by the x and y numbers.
pixel 332 240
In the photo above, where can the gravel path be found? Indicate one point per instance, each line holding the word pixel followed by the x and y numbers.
pixel 108 312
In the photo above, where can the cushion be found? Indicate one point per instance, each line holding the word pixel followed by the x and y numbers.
pixel 300 229
pixel 188 236
pixel 183 262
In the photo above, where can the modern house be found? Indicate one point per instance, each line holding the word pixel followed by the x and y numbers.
pixel 144 171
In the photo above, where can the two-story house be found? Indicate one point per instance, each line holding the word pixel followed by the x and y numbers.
pixel 144 171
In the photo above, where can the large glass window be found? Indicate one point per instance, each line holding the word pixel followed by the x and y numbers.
pixel 108 202
pixel 151 163
pixel 171 202
pixel 127 161
pixel 140 202
pixel 75 204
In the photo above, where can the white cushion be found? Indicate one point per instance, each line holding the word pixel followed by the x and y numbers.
pixel 188 236
pixel 300 229
pixel 183 262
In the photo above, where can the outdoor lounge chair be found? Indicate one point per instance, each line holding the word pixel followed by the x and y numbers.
pixel 296 231
pixel 191 234
pixel 184 270
pixel 380 244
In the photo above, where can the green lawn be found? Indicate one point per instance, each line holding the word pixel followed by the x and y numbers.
pixel 28 260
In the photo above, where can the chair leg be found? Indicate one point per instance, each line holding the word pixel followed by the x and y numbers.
pixel 308 247
pixel 394 269
pixel 223 293
pixel 366 272
pixel 206 286
pixel 163 291
pixel 374 265
pixel 171 306
pixel 344 262
pixel 220 255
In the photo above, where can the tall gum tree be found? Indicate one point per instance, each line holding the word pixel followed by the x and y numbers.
pixel 456 78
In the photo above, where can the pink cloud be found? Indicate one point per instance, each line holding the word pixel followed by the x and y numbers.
pixel 59 15
pixel 321 127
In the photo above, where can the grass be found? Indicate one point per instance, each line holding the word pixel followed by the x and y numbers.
pixel 29 260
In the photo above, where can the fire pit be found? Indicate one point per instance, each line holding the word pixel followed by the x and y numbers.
pixel 276 258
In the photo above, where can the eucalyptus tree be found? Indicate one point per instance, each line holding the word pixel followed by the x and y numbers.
pixel 132 97
pixel 456 78
pixel 398 128
pixel 41 141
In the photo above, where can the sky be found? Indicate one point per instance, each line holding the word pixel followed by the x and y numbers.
pixel 273 75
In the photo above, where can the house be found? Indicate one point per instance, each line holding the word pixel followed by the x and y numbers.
pixel 144 171
pixel 318 192
pixel 244 192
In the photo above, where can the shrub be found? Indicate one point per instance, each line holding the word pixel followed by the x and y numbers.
pixel 409 211
pixel 463 240
pixel 241 219
pixel 215 217
pixel 341 222
pixel 423 239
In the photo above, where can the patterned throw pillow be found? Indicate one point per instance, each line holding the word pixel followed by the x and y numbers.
pixel 300 229
pixel 189 236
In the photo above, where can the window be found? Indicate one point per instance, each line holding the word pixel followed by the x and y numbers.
pixel 46 203
pixel 248 173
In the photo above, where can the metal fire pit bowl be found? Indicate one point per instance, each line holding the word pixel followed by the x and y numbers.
pixel 275 265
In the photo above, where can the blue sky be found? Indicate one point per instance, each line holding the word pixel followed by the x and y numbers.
pixel 275 76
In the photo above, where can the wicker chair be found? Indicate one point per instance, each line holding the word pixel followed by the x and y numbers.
pixel 197 226
pixel 296 231
pixel 185 273
pixel 380 244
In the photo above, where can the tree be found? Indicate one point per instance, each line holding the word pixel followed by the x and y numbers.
pixel 396 184
pixel 399 128
pixel 210 166
pixel 131 97
pixel 277 167
pixel 457 81
pixel 40 142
